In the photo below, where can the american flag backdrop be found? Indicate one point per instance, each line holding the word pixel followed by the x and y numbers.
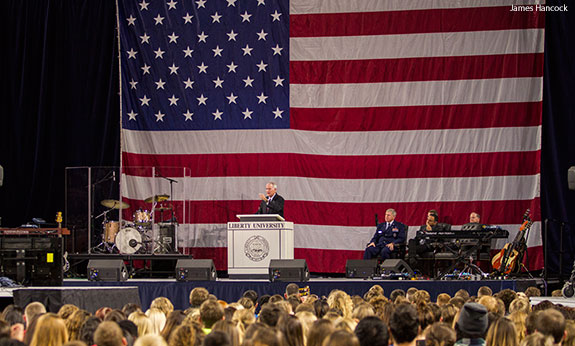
pixel 350 106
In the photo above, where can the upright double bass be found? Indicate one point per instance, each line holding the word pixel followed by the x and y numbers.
pixel 506 260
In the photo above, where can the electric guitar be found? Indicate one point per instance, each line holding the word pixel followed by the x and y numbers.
pixel 65 262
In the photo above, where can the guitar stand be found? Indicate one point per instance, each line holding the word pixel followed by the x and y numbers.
pixel 522 266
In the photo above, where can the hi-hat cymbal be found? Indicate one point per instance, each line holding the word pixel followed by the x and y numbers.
pixel 114 204
pixel 157 198
pixel 163 208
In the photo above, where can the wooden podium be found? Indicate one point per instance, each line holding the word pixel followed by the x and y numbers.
pixel 254 241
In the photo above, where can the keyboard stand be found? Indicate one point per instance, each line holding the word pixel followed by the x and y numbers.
pixel 466 259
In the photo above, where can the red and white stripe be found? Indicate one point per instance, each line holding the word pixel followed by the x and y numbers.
pixel 412 105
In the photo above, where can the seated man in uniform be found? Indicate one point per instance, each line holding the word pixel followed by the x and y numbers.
pixel 387 237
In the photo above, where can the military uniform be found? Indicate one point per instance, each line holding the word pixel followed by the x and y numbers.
pixel 384 234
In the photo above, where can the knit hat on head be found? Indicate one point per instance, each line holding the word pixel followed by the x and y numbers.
pixel 473 319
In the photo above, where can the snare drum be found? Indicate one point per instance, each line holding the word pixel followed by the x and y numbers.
pixel 111 228
pixel 142 216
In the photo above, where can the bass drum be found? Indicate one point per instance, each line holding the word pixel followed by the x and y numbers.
pixel 128 240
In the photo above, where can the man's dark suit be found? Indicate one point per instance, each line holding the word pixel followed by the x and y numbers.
pixel 275 206
pixel 384 234
pixel 421 244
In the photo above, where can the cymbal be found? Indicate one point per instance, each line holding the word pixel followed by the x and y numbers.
pixel 157 198
pixel 163 208
pixel 114 204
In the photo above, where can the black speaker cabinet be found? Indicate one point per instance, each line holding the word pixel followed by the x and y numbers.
pixel 360 268
pixel 288 270
pixel 395 266
pixel 196 270
pixel 107 270
pixel 32 260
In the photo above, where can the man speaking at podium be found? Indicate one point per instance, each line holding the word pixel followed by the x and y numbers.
pixel 271 203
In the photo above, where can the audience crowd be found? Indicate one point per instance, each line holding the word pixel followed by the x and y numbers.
pixel 506 318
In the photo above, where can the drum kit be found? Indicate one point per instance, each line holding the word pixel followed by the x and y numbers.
pixel 141 235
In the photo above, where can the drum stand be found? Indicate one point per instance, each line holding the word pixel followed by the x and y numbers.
pixel 165 248
pixel 160 247
pixel 104 246
pixel 147 239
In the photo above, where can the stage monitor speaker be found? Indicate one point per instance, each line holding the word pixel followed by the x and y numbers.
pixel 396 266
pixel 288 270
pixel 571 177
pixel 107 270
pixel 363 268
pixel 196 270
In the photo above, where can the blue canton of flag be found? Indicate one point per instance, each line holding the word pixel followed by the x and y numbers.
pixel 203 65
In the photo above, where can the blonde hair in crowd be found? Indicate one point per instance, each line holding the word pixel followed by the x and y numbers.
pixel 244 318
pixel 339 300
pixel 150 340
pixel 158 319
pixel 518 318
pixel 501 333
pixel 163 304
pixel 66 310
pixel 50 331
pixel 143 323
pixel 75 322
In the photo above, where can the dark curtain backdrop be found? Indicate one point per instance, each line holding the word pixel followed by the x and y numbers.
pixel 60 108
pixel 60 100
pixel 558 148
